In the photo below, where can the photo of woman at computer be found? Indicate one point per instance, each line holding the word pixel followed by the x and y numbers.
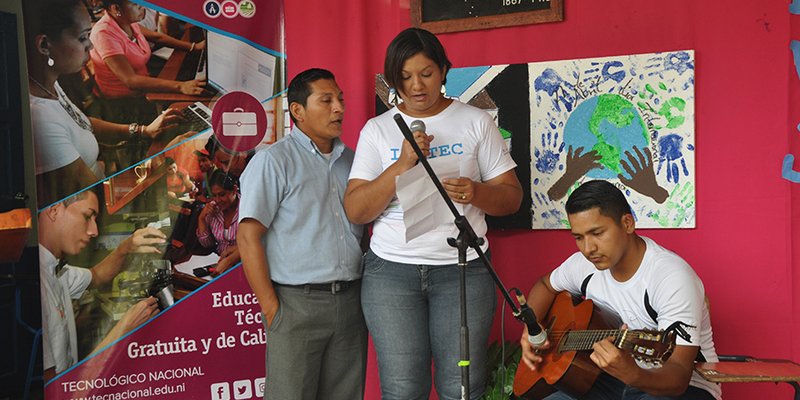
pixel 67 142
pixel 120 56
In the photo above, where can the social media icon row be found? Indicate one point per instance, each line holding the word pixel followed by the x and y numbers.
pixel 229 8
pixel 241 389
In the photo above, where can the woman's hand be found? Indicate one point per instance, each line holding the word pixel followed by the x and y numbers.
pixel 169 119
pixel 228 259
pixel 192 88
pixel 209 208
pixel 201 45
pixel 461 189
pixel 407 154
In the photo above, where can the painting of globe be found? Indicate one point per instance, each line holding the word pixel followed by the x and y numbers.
pixel 610 125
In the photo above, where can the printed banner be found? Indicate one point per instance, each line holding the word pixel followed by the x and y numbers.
pixel 140 140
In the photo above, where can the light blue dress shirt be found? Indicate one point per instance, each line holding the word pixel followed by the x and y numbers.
pixel 297 194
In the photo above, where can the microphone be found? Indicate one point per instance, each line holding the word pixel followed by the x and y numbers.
pixel 536 335
pixel 398 119
pixel 417 126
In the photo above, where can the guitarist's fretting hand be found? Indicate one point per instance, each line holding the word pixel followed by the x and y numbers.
pixel 531 355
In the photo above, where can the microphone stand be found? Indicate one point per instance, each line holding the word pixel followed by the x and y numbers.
pixel 466 238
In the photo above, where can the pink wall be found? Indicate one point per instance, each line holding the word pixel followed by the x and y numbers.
pixel 743 246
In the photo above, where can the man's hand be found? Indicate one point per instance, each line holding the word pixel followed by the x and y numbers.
pixel 531 355
pixel 614 361
pixel 142 241
pixel 138 314
pixel 269 311
pixel 135 316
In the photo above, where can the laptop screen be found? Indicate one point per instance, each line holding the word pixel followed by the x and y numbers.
pixel 234 65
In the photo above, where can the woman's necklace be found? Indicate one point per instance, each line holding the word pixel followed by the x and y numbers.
pixel 39 84
pixel 76 115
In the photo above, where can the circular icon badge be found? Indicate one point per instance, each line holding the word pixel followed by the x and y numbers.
pixel 247 8
pixel 239 121
pixel 230 8
pixel 211 8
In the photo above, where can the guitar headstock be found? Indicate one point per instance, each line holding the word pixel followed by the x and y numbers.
pixel 650 346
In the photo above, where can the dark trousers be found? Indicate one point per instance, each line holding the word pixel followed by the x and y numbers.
pixel 317 345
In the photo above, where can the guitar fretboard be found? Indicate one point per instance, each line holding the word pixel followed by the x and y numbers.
pixel 583 340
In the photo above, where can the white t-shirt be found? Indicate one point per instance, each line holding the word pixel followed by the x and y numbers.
pixel 59 337
pixel 57 138
pixel 675 292
pixel 467 139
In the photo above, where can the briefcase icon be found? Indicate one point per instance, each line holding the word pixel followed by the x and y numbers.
pixel 239 123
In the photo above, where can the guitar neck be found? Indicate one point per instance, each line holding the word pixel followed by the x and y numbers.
pixel 584 340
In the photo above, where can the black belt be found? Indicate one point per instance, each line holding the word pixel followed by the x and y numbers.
pixel 332 287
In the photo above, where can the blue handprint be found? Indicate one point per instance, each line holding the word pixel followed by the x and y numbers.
pixel 670 152
pixel 680 62
pixel 550 214
pixel 547 157
pixel 559 90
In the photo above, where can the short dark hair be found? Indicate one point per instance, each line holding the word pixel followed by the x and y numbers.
pixel 601 194
pixel 300 86
pixel 224 180
pixel 82 195
pixel 109 3
pixel 407 44
pixel 49 17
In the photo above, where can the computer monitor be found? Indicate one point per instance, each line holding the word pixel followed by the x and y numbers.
pixel 234 65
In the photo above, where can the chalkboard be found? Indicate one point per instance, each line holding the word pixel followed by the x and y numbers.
pixel 440 16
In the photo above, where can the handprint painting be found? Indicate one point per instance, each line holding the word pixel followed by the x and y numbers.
pixel 626 119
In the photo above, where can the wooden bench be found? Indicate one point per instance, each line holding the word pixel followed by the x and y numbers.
pixel 752 370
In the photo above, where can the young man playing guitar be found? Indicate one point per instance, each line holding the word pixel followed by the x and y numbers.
pixel 648 286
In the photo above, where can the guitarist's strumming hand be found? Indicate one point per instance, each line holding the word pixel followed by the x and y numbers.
pixel 531 355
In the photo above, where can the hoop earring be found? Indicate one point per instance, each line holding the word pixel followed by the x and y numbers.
pixel 50 61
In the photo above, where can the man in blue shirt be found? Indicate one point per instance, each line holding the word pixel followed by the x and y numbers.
pixel 301 255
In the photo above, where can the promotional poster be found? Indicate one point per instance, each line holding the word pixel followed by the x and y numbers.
pixel 144 115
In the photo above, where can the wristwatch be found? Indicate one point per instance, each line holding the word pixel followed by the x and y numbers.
pixel 133 129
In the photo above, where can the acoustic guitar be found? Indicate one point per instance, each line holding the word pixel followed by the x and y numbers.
pixel 573 326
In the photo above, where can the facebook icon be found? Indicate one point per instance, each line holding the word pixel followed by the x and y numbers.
pixel 221 391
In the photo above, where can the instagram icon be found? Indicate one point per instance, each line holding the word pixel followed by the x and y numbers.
pixel 259 384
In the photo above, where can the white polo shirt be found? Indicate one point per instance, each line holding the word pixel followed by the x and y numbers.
pixel 59 338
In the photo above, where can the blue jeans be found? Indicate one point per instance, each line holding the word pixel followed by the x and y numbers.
pixel 413 314
pixel 606 387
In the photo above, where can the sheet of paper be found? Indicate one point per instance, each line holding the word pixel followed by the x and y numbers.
pixel 423 206
pixel 163 53
pixel 196 262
